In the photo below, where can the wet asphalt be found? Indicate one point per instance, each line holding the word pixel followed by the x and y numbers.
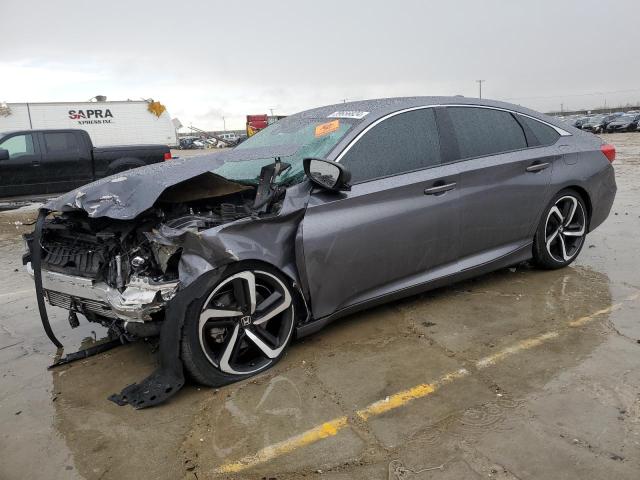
pixel 549 389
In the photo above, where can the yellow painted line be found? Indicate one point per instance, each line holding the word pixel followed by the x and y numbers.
pixel 518 347
pixel 588 318
pixel 397 400
pixel 402 398
pixel 332 427
pixel 535 341
pixel 327 429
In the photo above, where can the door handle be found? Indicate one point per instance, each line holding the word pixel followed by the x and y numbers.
pixel 537 167
pixel 440 189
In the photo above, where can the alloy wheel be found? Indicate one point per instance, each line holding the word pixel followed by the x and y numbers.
pixel 565 228
pixel 246 322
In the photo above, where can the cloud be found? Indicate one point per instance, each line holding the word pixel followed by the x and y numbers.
pixel 289 55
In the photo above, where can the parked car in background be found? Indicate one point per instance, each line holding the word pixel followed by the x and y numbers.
pixel 186 143
pixel 624 123
pixel 578 122
pixel 594 124
pixel 241 139
pixel 610 118
pixel 322 214
pixel 56 161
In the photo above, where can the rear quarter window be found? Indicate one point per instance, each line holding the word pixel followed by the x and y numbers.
pixel 541 134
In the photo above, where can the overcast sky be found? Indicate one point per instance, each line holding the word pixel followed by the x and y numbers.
pixel 206 59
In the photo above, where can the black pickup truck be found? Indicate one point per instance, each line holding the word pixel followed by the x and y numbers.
pixel 56 161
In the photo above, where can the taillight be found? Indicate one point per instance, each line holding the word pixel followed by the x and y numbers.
pixel 167 156
pixel 609 151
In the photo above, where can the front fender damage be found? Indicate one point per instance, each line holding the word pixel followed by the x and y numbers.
pixel 205 255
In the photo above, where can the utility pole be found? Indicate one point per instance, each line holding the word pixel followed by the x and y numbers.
pixel 561 108
pixel 224 124
pixel 480 86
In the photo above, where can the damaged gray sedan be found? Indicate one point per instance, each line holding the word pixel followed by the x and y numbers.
pixel 228 257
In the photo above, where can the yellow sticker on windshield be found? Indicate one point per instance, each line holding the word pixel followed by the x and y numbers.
pixel 326 128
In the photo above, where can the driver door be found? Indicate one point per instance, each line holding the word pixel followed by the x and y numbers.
pixel 396 228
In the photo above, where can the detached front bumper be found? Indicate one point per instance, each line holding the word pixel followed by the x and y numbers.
pixel 136 303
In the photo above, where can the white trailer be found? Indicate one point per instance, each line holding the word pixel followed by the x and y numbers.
pixel 108 123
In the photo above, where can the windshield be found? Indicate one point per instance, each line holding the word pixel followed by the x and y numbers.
pixel 596 119
pixel 625 118
pixel 313 137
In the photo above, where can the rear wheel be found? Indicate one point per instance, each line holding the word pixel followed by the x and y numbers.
pixel 243 327
pixel 562 231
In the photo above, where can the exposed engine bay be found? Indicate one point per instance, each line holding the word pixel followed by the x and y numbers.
pixel 127 270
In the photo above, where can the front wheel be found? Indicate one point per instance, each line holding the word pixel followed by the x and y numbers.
pixel 562 231
pixel 242 328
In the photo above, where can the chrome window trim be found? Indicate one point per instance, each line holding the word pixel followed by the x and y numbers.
pixel 563 133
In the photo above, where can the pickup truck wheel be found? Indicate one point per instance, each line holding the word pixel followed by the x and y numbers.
pixel 242 327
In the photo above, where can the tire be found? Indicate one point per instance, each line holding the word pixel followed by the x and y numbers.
pixel 562 231
pixel 238 330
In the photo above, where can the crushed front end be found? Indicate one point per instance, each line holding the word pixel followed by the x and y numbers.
pixel 134 266
pixel 122 273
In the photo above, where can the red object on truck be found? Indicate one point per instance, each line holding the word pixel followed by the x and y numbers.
pixel 255 123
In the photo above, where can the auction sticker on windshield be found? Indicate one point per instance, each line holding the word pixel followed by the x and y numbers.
pixel 326 128
pixel 358 115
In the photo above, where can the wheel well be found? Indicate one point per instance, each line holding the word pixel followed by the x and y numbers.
pixel 587 200
pixel 296 288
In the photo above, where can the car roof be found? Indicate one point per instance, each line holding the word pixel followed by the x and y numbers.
pixel 381 106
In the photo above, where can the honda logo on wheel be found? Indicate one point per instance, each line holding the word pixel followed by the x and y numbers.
pixel 246 320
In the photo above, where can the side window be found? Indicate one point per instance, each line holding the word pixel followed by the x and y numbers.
pixel 402 143
pixel 483 131
pixel 18 145
pixel 63 142
pixel 543 134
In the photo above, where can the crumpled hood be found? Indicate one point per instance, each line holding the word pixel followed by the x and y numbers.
pixel 126 195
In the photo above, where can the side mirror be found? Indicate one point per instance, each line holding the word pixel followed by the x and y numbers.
pixel 4 154
pixel 326 174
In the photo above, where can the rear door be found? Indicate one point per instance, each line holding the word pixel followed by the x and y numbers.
pixel 504 181
pixel 65 159
pixel 21 173
pixel 397 225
